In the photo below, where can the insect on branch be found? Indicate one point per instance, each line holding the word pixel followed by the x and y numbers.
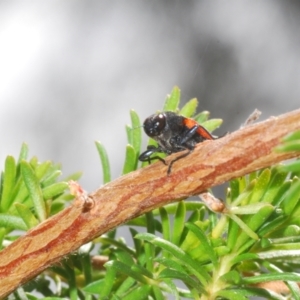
pixel 211 163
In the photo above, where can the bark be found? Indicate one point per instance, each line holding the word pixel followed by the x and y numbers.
pixel 212 163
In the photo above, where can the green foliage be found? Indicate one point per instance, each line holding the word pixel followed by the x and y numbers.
pixel 214 255
pixel 29 193
pixel 104 161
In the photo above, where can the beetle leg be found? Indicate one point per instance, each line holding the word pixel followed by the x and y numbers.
pixel 146 155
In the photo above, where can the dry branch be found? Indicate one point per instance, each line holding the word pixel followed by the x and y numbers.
pixel 212 163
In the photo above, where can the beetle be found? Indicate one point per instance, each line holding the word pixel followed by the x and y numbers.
pixel 173 133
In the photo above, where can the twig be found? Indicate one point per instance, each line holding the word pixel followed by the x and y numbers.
pixel 212 163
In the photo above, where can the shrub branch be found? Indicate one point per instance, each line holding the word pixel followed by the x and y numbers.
pixel 212 163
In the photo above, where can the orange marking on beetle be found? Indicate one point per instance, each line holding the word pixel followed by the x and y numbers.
pixel 190 123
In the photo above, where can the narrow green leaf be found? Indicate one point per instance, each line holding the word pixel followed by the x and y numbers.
pixel 170 264
pixel 212 124
pixel 189 108
pixel 129 134
pixel 17 187
pixel 51 178
pixel 260 217
pixel 234 189
pixel 253 175
pixel 292 136
pixel 34 162
pixel 141 293
pixel 231 295
pixel 157 291
pixel 34 190
pixel 172 101
pixel 166 230
pixel 244 227
pixel 222 251
pixel 232 277
pixel 260 186
pixel 26 214
pixel 277 179
pixel 126 270
pixel 258 292
pixel 204 241
pixel 124 257
pixel 173 274
pixel 104 161
pixel 193 218
pixel 130 160
pixel 244 185
pixel 112 241
pixel 150 222
pixel 254 223
pixel 289 146
pixel 271 226
pixel 95 287
pixel 280 253
pixel 136 132
pixel 75 176
pixel 165 221
pixel 243 257
pixel 141 270
pixel 8 183
pixel 248 209
pixel 280 196
pixel 42 169
pixel 213 220
pixel 179 221
pixel 109 280
pixel 172 207
pixel 50 298
pixel 286 240
pixel 291 230
pixel 19 293
pixel 244 194
pixel 2 235
pixel 54 190
pixel 23 153
pixel 292 167
pixel 87 268
pixel 177 292
pixel 179 254
pixel 272 277
pixel 195 215
pixel 12 222
pixel 125 286
pixel 202 117
pixel 291 198
pixel 295 290
pixel 193 247
pixel 233 231
pixel 223 224
pixel 22 193
pixel 149 248
pixel 57 206
pixel 137 243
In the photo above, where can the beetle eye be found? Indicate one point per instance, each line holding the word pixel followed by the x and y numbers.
pixel 155 124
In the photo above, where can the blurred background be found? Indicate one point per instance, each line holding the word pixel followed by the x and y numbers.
pixel 71 71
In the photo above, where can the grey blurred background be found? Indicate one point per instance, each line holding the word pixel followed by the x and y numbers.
pixel 71 71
